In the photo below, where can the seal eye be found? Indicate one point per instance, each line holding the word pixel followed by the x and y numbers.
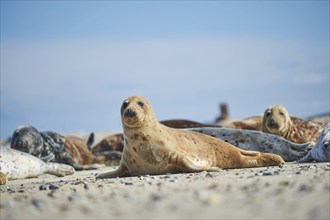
pixel 267 114
pixel 125 104
pixel 141 104
pixel 281 113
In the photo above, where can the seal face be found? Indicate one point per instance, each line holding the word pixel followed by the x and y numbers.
pixel 153 148
pixel 277 121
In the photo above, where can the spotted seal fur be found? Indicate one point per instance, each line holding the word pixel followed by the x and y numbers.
pixel 321 151
pixel 259 141
pixel 276 120
pixel 16 164
pixel 52 147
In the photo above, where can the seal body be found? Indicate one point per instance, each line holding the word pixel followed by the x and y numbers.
pixel 52 147
pixel 250 123
pixel 183 123
pixel 19 165
pixel 153 148
pixel 321 151
pixel 277 121
pixel 259 141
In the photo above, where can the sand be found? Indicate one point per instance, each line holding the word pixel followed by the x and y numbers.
pixel 293 191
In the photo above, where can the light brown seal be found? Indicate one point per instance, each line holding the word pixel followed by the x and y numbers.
pixel 153 148
pixel 184 123
pixel 250 123
pixel 277 121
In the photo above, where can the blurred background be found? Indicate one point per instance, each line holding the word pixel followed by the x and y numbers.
pixel 66 66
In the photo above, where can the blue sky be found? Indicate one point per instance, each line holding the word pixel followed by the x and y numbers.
pixel 66 66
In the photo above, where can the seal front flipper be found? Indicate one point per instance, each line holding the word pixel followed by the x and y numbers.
pixel 121 171
pixel 48 158
pixel 59 169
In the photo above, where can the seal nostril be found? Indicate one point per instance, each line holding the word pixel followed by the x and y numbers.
pixel 326 145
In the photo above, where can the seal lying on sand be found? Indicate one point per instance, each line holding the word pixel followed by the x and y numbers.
pixel 153 148
pixel 183 123
pixel 259 141
pixel 276 120
pixel 50 146
pixel 321 151
pixel 250 123
pixel 19 165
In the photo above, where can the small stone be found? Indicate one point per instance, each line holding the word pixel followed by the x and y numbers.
pixel 86 186
pixel 43 187
pixel 53 187
pixel 38 204
pixel 208 175
pixel 311 167
pixel 266 172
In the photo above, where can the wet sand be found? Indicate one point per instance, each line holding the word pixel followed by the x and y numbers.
pixel 293 191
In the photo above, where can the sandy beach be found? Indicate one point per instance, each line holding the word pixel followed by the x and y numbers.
pixel 292 191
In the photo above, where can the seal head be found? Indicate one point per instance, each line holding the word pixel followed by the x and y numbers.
pixel 277 121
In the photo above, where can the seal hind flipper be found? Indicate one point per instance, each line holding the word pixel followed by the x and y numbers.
pixel 90 141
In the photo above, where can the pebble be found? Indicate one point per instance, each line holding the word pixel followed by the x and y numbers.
pixel 206 197
pixel 38 204
pixel 53 187
pixel 266 172
pixel 209 175
pixel 43 187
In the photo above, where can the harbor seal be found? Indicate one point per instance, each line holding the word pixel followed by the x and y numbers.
pixel 250 123
pixel 16 164
pixel 153 148
pixel 276 120
pixel 321 151
pixel 259 141
pixel 183 123
pixel 52 147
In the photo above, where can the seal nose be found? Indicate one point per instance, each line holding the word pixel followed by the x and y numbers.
pixel 273 122
pixel 130 113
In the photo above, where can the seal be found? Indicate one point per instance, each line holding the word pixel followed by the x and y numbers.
pixel 250 123
pixel 259 141
pixel 321 151
pixel 277 121
pixel 51 146
pixel 109 149
pixel 16 164
pixel 184 123
pixel 153 148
